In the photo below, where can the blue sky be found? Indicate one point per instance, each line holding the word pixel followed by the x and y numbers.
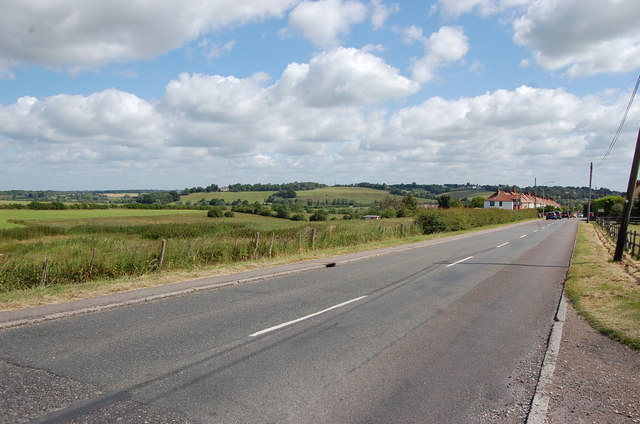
pixel 167 95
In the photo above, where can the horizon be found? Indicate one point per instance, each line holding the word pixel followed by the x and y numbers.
pixel 159 93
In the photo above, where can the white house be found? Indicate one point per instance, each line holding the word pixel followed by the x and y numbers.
pixel 516 201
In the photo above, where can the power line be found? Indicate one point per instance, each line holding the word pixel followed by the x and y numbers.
pixel 624 117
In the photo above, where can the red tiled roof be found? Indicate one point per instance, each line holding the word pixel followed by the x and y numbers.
pixel 502 196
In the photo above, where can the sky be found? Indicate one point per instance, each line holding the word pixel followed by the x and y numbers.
pixel 161 94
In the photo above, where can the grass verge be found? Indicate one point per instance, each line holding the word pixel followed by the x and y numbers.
pixel 605 293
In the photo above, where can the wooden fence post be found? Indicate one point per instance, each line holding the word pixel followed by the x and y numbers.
pixel 271 245
pixel 300 241
pixel 255 249
pixel 313 238
pixel 45 269
pixel 93 258
pixel 162 250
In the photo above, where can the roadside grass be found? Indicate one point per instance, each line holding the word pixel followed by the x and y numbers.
pixel 605 293
pixel 76 251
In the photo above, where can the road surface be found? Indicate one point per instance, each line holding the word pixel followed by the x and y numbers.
pixel 451 332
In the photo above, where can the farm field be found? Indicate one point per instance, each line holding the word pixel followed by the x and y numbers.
pixel 229 196
pixel 469 194
pixel 358 195
pixel 83 216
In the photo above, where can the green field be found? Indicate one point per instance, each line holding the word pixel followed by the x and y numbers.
pixel 469 194
pixel 84 216
pixel 74 247
pixel 356 195
pixel 229 196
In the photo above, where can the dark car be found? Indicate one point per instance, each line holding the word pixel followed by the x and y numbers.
pixel 565 214
pixel 552 215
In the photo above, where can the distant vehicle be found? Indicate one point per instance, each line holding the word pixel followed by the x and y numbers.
pixel 552 215
pixel 565 214
pixel 580 215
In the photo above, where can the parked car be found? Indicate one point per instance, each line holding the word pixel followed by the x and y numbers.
pixel 552 215
pixel 565 214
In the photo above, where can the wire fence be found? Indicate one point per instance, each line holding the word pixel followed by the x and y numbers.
pixel 611 225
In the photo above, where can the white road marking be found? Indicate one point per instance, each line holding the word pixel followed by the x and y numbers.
pixel 285 324
pixel 461 260
pixel 501 245
pixel 523 236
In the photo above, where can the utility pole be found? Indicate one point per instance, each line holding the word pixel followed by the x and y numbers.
pixel 589 204
pixel 628 203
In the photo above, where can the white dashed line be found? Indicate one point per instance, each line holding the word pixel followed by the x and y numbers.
pixel 461 260
pixel 501 245
pixel 285 324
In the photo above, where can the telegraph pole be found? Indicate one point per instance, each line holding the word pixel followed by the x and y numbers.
pixel 628 203
pixel 589 204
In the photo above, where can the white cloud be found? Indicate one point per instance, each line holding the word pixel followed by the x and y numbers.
pixel 324 21
pixel 345 77
pixel 110 116
pixel 413 34
pixel 455 8
pixel 448 45
pixel 320 121
pixel 214 98
pixel 75 36
pixel 585 37
pixel 527 131
pixel 381 13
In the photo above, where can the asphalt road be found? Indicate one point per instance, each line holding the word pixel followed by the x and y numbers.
pixel 452 332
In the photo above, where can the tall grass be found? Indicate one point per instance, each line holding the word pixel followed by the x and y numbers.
pixel 87 252
pixel 105 250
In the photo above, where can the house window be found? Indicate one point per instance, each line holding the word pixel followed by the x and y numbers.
pixel 501 203
pixel 492 203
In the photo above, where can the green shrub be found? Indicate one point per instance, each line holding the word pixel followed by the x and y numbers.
pixel 215 213
pixel 298 217
pixel 319 215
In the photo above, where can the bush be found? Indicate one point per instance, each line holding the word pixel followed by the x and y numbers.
pixel 215 212
pixel 319 215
